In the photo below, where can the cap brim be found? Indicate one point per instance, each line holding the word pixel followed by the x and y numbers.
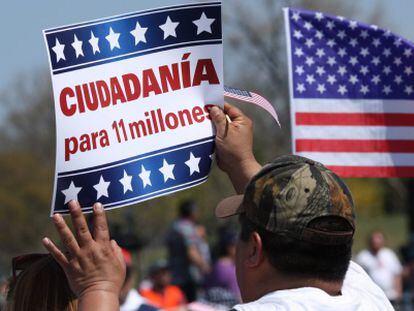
pixel 230 206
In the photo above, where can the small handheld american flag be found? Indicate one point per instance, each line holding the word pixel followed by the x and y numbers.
pixel 352 95
pixel 253 98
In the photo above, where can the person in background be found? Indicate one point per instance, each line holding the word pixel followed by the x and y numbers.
pixel 204 250
pixel 383 266
pixel 40 285
pixel 161 293
pixel 183 254
pixel 129 298
pixel 221 284
pixel 4 288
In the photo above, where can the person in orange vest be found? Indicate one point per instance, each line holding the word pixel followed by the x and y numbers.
pixel 162 293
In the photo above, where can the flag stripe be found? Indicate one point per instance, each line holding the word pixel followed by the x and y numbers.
pixel 376 171
pixel 354 132
pixel 360 158
pixel 354 106
pixel 353 145
pixel 386 119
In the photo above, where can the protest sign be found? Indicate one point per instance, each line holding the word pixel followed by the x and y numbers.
pixel 132 94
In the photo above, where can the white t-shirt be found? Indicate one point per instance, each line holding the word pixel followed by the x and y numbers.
pixel 359 293
pixel 133 301
pixel 382 268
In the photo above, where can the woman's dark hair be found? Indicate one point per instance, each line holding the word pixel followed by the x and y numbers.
pixel 300 258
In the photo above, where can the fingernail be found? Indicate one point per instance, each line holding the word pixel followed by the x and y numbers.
pixel 98 207
pixel 57 217
pixel 73 204
pixel 46 241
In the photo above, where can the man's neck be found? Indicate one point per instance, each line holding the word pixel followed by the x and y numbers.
pixel 278 282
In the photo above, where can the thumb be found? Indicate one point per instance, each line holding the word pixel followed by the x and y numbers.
pixel 219 119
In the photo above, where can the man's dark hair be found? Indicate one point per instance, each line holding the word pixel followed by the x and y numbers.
pixel 298 258
pixel 186 209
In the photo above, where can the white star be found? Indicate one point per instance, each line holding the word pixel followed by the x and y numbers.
pixel 318 35
pixel 342 52
pixel 331 61
pixel 320 71
pixel 299 70
pixel 93 41
pixel 386 52
pixel 353 24
pixel 364 34
pixel 353 42
pixel 398 79
pixel 309 61
pixel 295 16
pixel 320 53
pixel 193 163
pixel 102 188
pixel 375 79
pixel 353 60
pixel 408 52
pixel 387 33
pixel 300 88
pixel 204 23
pixel 341 34
pixel 126 182
pixel 169 28
pixel 376 42
pixel 364 89
pixel 408 90
pixel 364 52
pixel 408 70
pixel 321 88
pixel 298 52
pixel 77 45
pixel 58 49
pixel 342 70
pixel 331 43
pixel 113 39
pixel 397 61
pixel 318 16
pixel 145 176
pixel 139 33
pixel 386 70
pixel 387 89
pixel 310 79
pixel 331 79
pixel 375 61
pixel 297 34
pixel 330 25
pixel 309 43
pixel 397 42
pixel 342 89
pixel 167 170
pixel 71 193
pixel 364 70
pixel 353 79
pixel 307 26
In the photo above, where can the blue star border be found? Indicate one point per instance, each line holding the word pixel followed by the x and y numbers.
pixel 89 44
pixel 136 179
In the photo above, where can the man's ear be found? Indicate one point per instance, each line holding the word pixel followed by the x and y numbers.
pixel 254 250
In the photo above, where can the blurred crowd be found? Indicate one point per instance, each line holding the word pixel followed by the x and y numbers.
pixel 193 276
pixel 197 276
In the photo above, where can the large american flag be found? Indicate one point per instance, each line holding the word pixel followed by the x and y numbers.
pixel 352 95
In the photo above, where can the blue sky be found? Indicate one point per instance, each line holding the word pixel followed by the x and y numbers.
pixel 22 47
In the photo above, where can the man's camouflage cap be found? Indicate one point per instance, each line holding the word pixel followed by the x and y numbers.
pixel 289 194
